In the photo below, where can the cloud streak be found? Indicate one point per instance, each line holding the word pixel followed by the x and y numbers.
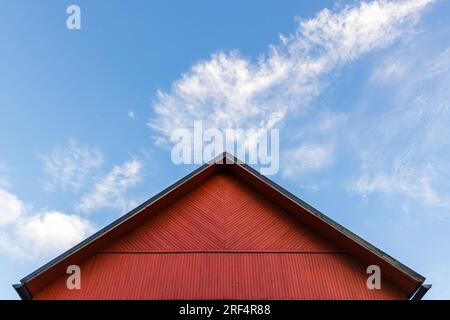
pixel 110 191
pixel 70 166
pixel 307 158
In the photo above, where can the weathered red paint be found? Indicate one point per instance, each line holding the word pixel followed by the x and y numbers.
pixel 222 240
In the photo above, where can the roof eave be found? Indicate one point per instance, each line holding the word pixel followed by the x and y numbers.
pixel 421 292
pixel 22 291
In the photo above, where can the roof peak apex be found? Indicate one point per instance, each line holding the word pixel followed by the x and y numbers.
pixel 227 156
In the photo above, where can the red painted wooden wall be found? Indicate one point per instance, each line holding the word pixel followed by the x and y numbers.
pixel 221 241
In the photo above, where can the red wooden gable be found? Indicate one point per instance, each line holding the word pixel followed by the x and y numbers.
pixel 223 232
pixel 222 214
pixel 222 241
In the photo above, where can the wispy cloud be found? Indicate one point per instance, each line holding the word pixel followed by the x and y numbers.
pixel 110 191
pixel 313 146
pixel 405 149
pixel 414 182
pixel 71 165
pixel 392 69
pixel 231 91
pixel 27 233
pixel 307 158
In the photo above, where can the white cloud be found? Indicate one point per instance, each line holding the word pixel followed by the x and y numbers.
pixel 346 35
pixel 11 208
pixel 27 233
pixel 51 232
pixel 110 191
pixel 7 246
pixel 131 114
pixel 71 166
pixel 230 91
pixel 30 235
pixel 306 158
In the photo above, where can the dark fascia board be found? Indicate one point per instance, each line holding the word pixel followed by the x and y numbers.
pixel 224 158
pixel 22 291
pixel 119 221
pixel 421 292
pixel 381 254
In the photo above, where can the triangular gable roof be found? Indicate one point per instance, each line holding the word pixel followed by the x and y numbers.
pixel 400 275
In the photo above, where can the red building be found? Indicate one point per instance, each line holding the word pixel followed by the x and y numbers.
pixel 224 232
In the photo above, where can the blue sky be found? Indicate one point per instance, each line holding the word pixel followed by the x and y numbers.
pixel 359 90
